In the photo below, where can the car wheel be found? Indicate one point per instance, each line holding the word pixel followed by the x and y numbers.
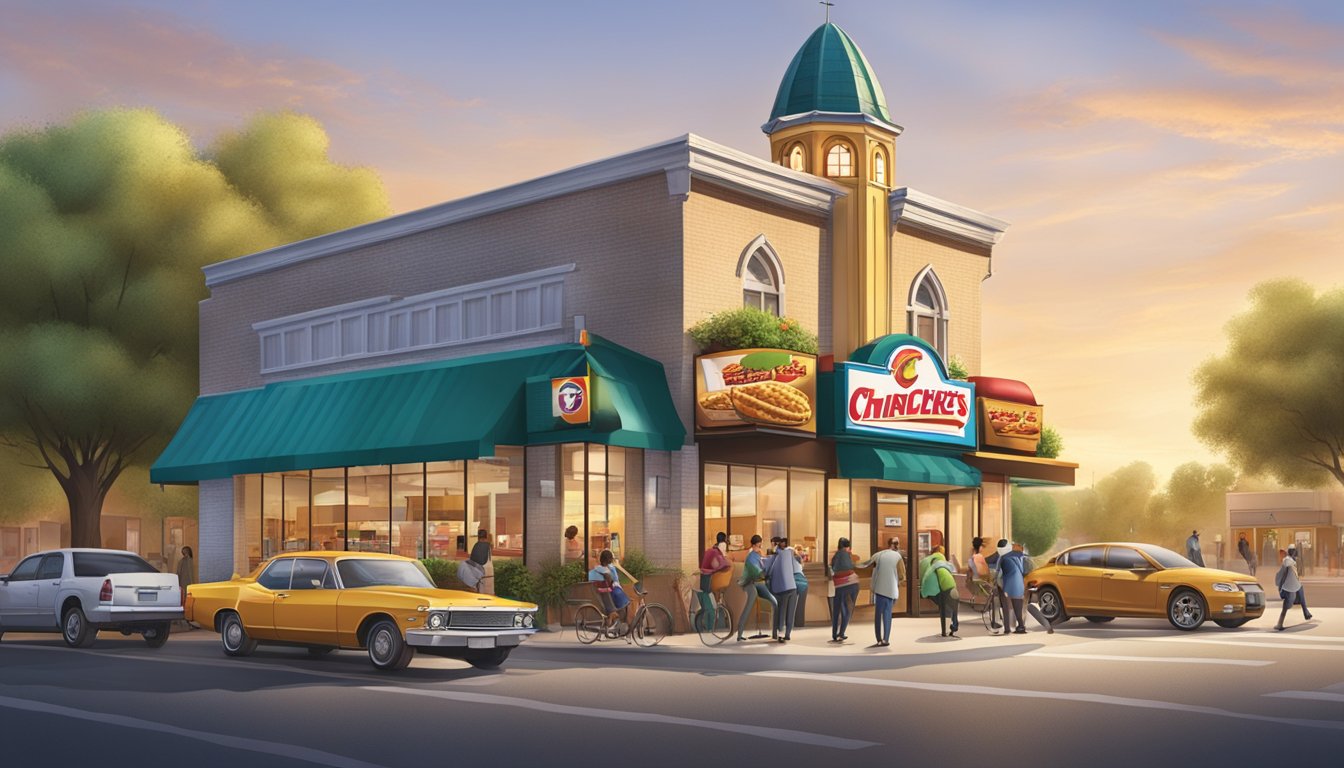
pixel 1051 605
pixel 234 637
pixel 388 651
pixel 487 658
pixel 1230 623
pixel 75 628
pixel 156 634
pixel 1100 619
pixel 1186 611
pixel 318 651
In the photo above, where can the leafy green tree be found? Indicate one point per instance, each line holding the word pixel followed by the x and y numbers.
pixel 1036 520
pixel 1194 499
pixel 1051 443
pixel 105 224
pixel 1272 402
pixel 1116 509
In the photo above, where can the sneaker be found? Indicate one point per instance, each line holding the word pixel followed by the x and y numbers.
pixel 1307 617
pixel 995 625
pixel 1020 631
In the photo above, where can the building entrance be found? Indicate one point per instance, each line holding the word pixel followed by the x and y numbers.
pixel 919 521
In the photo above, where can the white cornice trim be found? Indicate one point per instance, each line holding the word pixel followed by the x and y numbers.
pixel 680 158
pixel 931 214
pixel 803 118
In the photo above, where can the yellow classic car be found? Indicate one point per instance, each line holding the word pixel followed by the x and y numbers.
pixel 1103 581
pixel 384 603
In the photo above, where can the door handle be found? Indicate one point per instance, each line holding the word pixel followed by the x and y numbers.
pixel 56 583
pixel 1108 574
pixel 282 595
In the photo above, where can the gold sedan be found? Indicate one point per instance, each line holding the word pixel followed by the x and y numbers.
pixel 1103 581
pixel 386 604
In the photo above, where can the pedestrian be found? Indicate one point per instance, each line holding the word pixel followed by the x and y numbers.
pixel 846 590
pixel 715 572
pixel 753 584
pixel 888 572
pixel 1010 570
pixel 979 567
pixel 800 579
pixel 480 555
pixel 1244 549
pixel 186 576
pixel 938 583
pixel 1290 588
pixel 573 547
pixel 779 575
pixel 1192 551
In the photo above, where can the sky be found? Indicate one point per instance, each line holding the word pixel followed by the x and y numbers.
pixel 1155 159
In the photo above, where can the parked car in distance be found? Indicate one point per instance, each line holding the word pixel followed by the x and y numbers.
pixel 384 604
pixel 1104 581
pixel 79 592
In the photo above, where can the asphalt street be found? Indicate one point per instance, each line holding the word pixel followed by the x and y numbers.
pixel 1125 693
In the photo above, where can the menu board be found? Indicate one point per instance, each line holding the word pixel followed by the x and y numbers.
pixel 765 388
pixel 1010 425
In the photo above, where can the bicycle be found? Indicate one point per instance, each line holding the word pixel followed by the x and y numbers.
pixel 985 601
pixel 651 623
pixel 714 625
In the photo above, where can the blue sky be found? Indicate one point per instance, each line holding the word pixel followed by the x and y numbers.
pixel 1156 159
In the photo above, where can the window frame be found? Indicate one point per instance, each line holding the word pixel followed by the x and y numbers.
pixel 36 559
pixel 276 563
pixel 796 149
pixel 939 314
pixel 59 557
pixel 843 154
pixel 760 248
pixel 879 175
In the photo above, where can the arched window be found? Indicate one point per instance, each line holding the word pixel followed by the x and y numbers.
pixel 880 168
pixel 928 310
pixel 762 277
pixel 839 161
pixel 797 160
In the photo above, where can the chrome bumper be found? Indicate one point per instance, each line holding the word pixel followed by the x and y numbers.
pixel 456 638
pixel 123 615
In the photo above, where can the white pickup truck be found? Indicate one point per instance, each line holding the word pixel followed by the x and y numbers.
pixel 78 592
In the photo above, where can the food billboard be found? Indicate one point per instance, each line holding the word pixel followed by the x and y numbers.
pixel 1015 426
pixel 771 389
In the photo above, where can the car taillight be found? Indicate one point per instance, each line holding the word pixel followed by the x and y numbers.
pixel 105 594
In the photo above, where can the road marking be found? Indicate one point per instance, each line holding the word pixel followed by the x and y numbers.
pixel 1238 643
pixel 1313 695
pixel 1090 698
pixel 1156 659
pixel 773 734
pixel 287 751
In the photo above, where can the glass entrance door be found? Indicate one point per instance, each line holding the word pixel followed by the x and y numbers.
pixel 930 532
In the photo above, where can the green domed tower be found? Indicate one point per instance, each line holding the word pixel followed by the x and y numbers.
pixel 830 119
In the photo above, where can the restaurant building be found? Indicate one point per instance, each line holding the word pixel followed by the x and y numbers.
pixel 519 361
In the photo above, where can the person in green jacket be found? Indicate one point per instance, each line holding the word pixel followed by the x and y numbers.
pixel 937 582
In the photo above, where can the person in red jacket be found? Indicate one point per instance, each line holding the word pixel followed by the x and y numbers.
pixel 713 562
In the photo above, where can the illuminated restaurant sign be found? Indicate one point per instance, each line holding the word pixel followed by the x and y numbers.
pixel 907 396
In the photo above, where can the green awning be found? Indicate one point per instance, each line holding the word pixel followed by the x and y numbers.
pixel 907 465
pixel 439 411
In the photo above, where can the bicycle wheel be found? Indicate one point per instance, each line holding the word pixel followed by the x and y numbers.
pixel 651 625
pixel 717 629
pixel 588 623
pixel 992 615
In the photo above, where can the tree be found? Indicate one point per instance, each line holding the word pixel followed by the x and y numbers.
pixel 1116 509
pixel 1195 498
pixel 1036 520
pixel 1272 402
pixel 105 224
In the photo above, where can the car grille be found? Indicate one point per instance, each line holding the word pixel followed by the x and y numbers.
pixel 480 619
pixel 1254 595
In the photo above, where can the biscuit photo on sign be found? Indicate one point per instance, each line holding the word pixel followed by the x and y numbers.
pixel 770 402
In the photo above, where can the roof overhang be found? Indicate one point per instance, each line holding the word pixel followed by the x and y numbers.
pixel 1023 470
pixel 915 209
pixel 855 118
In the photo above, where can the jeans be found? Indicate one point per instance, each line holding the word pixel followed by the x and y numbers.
pixel 754 591
pixel 788 603
pixel 1017 603
pixel 947 605
pixel 802 594
pixel 843 609
pixel 882 617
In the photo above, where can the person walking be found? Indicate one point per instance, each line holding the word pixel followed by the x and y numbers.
pixel 753 571
pixel 186 571
pixel 938 583
pixel 1010 571
pixel 846 590
pixel 1244 549
pixel 1192 550
pixel 480 555
pixel 779 575
pixel 1290 588
pixel 715 571
pixel 888 570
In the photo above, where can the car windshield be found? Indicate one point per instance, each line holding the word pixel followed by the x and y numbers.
pixel 1166 558
pixel 356 573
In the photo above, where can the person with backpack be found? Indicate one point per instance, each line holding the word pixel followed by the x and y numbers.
pixel 937 582
pixel 1011 572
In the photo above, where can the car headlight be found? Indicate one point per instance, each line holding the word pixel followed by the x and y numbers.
pixel 528 620
pixel 517 619
pixel 436 621
pixel 1222 586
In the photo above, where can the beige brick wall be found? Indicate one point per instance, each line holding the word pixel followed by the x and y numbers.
pixel 960 268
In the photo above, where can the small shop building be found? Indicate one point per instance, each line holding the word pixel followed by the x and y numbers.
pixel 518 361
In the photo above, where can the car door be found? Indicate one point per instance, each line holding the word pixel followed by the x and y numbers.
pixel 18 594
pixel 1129 582
pixel 48 583
pixel 1080 579
pixel 306 612
pixel 256 601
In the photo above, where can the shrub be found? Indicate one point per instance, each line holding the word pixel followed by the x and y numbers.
pixel 956 369
pixel 638 564
pixel 1050 444
pixel 443 572
pixel 748 327
pixel 514 581
pixel 554 581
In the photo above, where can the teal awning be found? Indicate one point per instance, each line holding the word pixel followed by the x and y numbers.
pixel 439 411
pixel 873 462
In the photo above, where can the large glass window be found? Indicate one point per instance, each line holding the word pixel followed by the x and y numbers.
pixel 806 499
pixel 595 475
pixel 408 510
pixel 445 500
pixel 961 527
pixel 368 509
pixel 248 504
pixel 328 518
pixel 495 496
pixel 743 501
pixel 716 503
pixel 839 160
pixel 272 515
pixel 574 542
pixel 838 510
pixel 772 501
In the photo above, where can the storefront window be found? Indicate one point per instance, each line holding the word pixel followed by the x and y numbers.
pixel 328 519
pixel 368 509
pixel 716 503
pixel 991 512
pixel 572 471
pixel 445 502
pixel 743 522
pixel 837 515
pixel 495 493
pixel 960 527
pixel 248 504
pixel 618 542
pixel 744 501
pixel 272 513
pixel 408 510
pixel 861 525
pixel 603 525
pixel 806 499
